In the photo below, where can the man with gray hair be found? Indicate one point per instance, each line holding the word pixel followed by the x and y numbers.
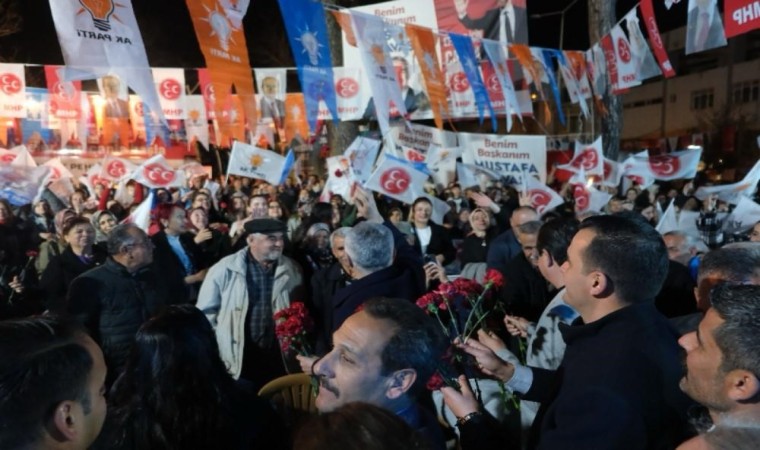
pixel 381 263
pixel 113 300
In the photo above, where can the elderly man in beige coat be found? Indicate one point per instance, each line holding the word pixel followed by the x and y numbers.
pixel 240 295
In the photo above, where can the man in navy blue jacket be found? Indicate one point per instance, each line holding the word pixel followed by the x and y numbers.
pixel 617 386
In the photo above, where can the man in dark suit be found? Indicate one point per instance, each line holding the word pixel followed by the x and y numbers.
pixel 617 385
pixel 114 107
pixel 270 106
pixel 413 100
pixel 505 23
pixel 705 29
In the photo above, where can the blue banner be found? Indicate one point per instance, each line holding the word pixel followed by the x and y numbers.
pixel 307 32
pixel 548 53
pixel 466 53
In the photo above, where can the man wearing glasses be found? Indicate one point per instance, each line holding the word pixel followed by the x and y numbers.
pixel 240 295
pixel 114 299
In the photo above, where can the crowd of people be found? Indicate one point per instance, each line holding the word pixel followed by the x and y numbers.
pixel 121 336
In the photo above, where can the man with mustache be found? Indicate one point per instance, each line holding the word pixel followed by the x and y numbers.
pixel 383 355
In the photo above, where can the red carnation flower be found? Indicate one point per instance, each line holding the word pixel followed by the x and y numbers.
pixel 494 277
pixel 435 382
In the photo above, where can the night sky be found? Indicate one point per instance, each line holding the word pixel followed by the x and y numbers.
pixel 170 40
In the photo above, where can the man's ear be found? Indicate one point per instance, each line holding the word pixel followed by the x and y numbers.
pixel 65 424
pixel 400 382
pixel 601 285
pixel 742 385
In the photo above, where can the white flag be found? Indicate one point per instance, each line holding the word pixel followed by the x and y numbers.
pixel 102 37
pixel 626 67
pixel 57 170
pixel 733 192
pixel 498 57
pixel 589 157
pixel 362 154
pixel 372 41
pixel 398 180
pixel 743 217
pixel 141 215
pixel 586 197
pixel 253 162
pixel 196 124
pixel 12 91
pixel 23 157
pixel 669 220
pixel 643 60
pixel 542 197
pixel 170 84
pixel 440 208
pixel 157 173
pixel 115 169
pixel 20 185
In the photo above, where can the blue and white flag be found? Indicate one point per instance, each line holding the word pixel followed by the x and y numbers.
pixel 372 40
pixel 466 53
pixel 546 60
pixel 253 162
pixel 290 160
pixel 307 32
pixel 498 57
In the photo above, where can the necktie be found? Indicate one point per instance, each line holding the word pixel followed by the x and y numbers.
pixel 704 30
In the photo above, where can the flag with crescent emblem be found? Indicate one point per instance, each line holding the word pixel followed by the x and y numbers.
pixel 157 173
pixel 587 198
pixel 57 170
pixel 397 179
pixel 114 169
pixel 23 157
pixel 590 157
pixel 542 198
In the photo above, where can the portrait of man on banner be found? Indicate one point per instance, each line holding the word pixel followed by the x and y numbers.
pixel 271 105
pixel 704 27
pixel 414 101
pixel 506 21
pixel 114 111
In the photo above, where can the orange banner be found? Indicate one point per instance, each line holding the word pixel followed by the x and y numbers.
pixel 295 117
pixel 423 44
pixel 344 21
pixel 223 45
pixel 525 58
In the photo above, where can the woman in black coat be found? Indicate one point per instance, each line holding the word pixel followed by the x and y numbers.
pixel 430 238
pixel 176 257
pixel 80 255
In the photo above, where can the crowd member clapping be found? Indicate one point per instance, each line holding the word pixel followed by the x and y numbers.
pixel 214 244
pixel 430 238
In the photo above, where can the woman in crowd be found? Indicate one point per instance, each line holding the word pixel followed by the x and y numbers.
pixel 430 238
pixel 295 220
pixel 80 255
pixel 176 256
pixel 320 213
pixel 52 248
pixel 214 244
pixel 103 221
pixel 41 222
pixel 315 253
pixel 14 242
pixel 277 210
pixel 175 393
pixel 475 245
pixel 77 201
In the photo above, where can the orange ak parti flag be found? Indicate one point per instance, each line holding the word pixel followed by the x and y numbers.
pixel 423 44
pixel 220 35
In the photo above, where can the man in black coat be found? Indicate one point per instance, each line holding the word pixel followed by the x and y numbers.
pixel 113 300
pixel 617 386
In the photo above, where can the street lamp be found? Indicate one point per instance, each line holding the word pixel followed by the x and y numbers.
pixel 561 22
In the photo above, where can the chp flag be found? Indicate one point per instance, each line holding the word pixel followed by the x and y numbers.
pixel 253 162
pixel 397 179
